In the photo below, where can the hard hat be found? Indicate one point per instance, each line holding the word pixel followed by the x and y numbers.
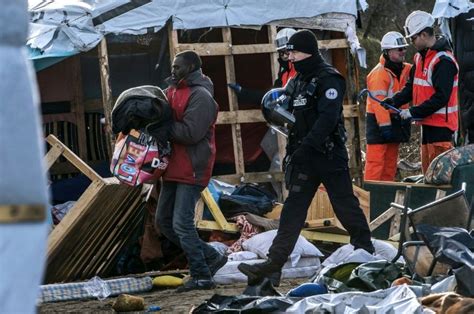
pixel 275 105
pixel 282 37
pixel 393 40
pixel 416 22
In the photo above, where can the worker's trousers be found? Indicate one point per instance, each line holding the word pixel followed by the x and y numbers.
pixel 303 181
pixel 381 162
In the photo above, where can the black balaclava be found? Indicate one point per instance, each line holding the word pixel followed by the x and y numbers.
pixel 305 41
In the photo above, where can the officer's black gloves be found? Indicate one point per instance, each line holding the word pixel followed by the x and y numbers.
pixel 387 102
pixel 235 87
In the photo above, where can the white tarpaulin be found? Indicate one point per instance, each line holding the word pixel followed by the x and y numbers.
pixel 65 26
pixel 445 9
pixel 399 299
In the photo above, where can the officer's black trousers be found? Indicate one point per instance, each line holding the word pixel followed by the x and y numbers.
pixel 304 179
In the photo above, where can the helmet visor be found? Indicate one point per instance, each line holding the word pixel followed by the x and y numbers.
pixel 281 42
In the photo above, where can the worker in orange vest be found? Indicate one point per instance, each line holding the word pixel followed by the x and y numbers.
pixel 432 87
pixel 385 130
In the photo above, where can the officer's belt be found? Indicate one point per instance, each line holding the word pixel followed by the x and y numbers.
pixel 22 213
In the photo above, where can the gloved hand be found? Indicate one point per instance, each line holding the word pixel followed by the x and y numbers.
pixel 405 114
pixel 386 132
pixel 236 87
pixel 387 102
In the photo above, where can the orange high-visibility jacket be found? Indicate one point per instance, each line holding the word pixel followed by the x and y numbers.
pixel 382 83
pixel 423 89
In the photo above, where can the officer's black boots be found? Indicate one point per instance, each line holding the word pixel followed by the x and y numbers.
pixel 256 272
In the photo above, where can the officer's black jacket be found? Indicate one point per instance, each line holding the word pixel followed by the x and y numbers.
pixel 323 111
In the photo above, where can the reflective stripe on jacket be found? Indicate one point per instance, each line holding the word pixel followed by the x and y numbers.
pixel 423 89
pixel 382 83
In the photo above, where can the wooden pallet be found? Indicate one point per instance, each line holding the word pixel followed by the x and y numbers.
pixel 86 242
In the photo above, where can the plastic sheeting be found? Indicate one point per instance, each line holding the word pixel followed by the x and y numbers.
pixel 445 9
pixel 67 27
pixel 398 299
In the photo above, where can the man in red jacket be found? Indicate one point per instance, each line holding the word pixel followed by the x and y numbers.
pixel 193 153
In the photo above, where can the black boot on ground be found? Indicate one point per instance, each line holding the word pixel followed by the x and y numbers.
pixel 256 272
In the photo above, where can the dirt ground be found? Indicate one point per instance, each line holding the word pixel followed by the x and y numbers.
pixel 168 300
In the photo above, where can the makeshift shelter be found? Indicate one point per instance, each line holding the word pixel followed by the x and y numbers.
pixel 78 46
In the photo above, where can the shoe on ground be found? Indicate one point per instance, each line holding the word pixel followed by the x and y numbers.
pixel 217 264
pixel 256 272
pixel 197 284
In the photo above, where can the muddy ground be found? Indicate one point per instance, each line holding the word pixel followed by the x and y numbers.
pixel 168 300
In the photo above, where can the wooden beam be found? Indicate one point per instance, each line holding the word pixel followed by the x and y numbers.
pixel 212 225
pixel 77 107
pixel 255 177
pixel 215 210
pixel 74 159
pixel 53 155
pixel 333 44
pixel 106 91
pixel 227 49
pixel 240 116
pixel 405 184
pixel 233 105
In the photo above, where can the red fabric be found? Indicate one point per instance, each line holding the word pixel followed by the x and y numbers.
pixel 247 230
pixel 423 90
pixel 381 162
pixel 288 74
pixel 180 165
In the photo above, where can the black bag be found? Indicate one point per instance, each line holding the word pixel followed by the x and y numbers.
pixel 247 198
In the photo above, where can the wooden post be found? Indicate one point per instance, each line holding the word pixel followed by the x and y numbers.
pixel 106 91
pixel 233 104
pixel 78 107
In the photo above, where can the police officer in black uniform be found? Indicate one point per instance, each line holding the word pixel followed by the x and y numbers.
pixel 315 154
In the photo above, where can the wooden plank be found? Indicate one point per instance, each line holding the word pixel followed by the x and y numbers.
pixel 106 91
pixel 254 177
pixel 395 223
pixel 53 155
pixel 212 225
pixel 405 184
pixel 240 116
pixel 332 237
pixel 333 44
pixel 74 214
pixel 227 49
pixel 214 209
pixel 233 106
pixel 326 222
pixel 350 111
pixel 382 218
pixel 54 117
pixel 74 159
pixel 172 41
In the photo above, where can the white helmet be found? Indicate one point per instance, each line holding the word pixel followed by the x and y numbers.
pixel 282 37
pixel 393 40
pixel 416 22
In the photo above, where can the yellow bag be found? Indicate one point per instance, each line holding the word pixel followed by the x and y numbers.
pixel 167 281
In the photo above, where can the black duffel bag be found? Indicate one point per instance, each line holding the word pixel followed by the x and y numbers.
pixel 247 198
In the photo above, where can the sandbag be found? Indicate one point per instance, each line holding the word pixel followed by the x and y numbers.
pixel 441 168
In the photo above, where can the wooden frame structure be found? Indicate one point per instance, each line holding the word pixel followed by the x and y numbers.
pixel 235 117
pixel 88 239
